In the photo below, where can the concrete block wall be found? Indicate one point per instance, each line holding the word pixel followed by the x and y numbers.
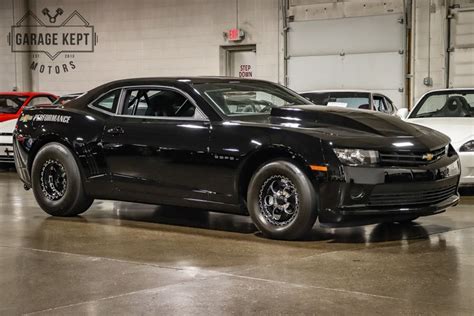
pixel 155 38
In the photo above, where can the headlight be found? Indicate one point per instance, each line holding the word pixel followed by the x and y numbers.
pixel 453 169
pixel 357 157
pixel 469 146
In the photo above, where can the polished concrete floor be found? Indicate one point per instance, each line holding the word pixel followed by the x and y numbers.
pixel 123 258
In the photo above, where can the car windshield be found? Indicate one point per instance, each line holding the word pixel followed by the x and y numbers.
pixel 446 104
pixel 352 100
pixel 248 98
pixel 10 104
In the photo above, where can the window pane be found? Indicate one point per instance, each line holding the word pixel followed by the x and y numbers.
pixel 241 98
pixel 109 101
pixel 319 98
pixel 380 105
pixel 446 105
pixel 157 103
pixel 40 101
pixel 10 104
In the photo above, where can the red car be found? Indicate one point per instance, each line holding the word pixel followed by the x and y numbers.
pixel 11 106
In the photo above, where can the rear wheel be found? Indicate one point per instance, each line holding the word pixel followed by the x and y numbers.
pixel 57 182
pixel 282 201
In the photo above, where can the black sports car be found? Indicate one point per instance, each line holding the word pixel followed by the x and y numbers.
pixel 241 146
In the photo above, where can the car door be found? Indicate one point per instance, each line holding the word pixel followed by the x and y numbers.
pixel 156 146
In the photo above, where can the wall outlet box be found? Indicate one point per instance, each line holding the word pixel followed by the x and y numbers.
pixel 428 81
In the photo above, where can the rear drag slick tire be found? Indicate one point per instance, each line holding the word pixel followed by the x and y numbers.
pixel 57 182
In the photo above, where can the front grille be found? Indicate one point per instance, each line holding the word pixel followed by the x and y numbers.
pixel 408 158
pixel 425 197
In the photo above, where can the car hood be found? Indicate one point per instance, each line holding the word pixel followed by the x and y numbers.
pixel 356 120
pixel 7 126
pixel 355 128
pixel 6 129
pixel 459 129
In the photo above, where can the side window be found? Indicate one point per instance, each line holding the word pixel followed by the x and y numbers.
pixel 11 104
pixel 108 102
pixel 157 103
pixel 390 106
pixel 40 101
pixel 380 105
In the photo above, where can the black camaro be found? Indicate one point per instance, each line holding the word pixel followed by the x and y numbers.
pixel 240 146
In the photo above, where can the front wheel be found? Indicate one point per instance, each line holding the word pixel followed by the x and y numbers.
pixel 57 182
pixel 282 201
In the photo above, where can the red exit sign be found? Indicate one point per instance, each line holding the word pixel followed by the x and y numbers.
pixel 234 35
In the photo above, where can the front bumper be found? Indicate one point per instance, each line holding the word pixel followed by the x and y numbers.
pixel 6 153
pixel 373 195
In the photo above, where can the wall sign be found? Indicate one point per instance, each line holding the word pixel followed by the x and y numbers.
pixel 234 35
pixel 245 71
pixel 51 39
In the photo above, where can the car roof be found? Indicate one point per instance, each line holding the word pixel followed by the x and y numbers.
pixel 189 80
pixel 450 89
pixel 336 90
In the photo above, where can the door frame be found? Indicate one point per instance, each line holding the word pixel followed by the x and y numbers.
pixel 225 60
pixel 451 45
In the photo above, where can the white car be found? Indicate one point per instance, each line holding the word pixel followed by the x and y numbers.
pixel 6 143
pixel 450 111
pixel 353 99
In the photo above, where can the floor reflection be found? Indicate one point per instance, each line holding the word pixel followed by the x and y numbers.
pixel 131 213
pixel 186 217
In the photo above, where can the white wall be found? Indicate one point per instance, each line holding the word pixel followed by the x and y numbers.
pixel 183 37
pixel 430 45
pixel 156 38
pixel 13 68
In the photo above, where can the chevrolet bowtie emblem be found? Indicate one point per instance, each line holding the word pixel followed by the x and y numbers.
pixel 428 157
pixel 25 118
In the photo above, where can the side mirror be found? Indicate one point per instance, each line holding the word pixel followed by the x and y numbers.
pixel 402 113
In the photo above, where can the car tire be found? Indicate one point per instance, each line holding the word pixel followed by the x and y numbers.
pixel 57 182
pixel 282 201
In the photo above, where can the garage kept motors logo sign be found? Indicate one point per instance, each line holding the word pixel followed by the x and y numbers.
pixel 51 39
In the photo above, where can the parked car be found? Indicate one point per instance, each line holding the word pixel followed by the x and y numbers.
pixel 11 106
pixel 240 146
pixel 66 98
pixel 353 99
pixel 450 111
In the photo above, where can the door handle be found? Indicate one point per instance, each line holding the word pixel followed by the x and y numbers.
pixel 117 130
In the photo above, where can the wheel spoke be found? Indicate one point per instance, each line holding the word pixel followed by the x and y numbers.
pixel 272 187
pixel 276 216
pixel 279 200
pixel 53 180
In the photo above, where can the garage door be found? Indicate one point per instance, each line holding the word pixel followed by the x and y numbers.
pixel 348 53
pixel 461 56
